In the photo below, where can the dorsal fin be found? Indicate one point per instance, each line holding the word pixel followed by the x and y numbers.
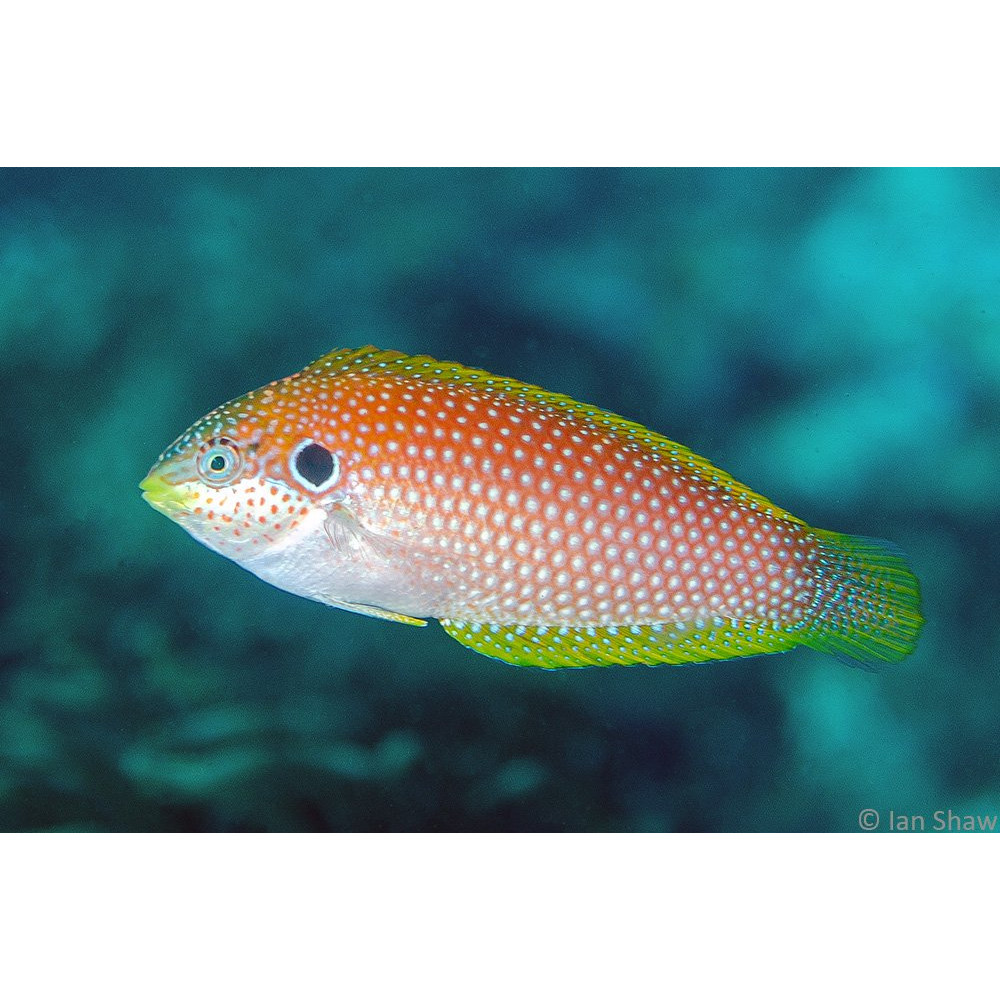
pixel 372 362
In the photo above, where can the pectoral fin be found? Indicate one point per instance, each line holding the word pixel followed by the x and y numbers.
pixel 356 543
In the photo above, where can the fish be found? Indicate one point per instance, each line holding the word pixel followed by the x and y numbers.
pixel 537 529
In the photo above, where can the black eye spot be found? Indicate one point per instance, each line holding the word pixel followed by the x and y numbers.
pixel 314 464
pixel 217 464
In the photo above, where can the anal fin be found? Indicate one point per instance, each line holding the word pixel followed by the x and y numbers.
pixel 592 646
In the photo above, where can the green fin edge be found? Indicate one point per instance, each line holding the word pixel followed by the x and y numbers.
pixel 551 647
pixel 372 362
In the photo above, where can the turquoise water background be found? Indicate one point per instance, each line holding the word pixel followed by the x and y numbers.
pixel 830 338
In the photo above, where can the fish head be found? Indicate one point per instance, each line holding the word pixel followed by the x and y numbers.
pixel 253 476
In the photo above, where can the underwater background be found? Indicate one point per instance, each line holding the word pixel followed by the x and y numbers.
pixel 829 337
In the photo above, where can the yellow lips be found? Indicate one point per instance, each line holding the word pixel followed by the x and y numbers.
pixel 161 494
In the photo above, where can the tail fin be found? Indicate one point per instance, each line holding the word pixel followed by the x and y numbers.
pixel 867 606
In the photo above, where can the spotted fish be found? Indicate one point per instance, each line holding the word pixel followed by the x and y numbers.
pixel 537 529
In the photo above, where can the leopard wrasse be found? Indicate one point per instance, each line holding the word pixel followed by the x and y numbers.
pixel 537 529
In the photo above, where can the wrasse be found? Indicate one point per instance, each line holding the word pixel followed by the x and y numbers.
pixel 537 529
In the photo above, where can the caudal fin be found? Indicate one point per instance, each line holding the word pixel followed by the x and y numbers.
pixel 867 607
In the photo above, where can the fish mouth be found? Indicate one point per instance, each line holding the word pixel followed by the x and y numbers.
pixel 164 496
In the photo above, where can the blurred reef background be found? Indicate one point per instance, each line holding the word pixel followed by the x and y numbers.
pixel 831 338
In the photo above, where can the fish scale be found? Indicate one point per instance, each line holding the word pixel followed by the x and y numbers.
pixel 538 529
pixel 586 532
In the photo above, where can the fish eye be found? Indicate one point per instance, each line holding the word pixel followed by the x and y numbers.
pixel 220 462
pixel 314 466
